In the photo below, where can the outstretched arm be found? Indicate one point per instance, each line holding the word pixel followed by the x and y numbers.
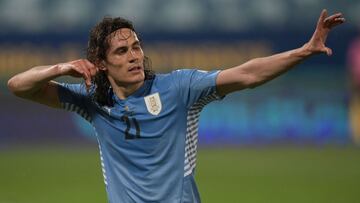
pixel 260 70
pixel 36 84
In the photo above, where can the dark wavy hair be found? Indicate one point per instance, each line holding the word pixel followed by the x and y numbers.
pixel 98 45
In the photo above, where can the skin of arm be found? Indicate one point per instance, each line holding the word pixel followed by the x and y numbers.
pixel 260 70
pixel 37 83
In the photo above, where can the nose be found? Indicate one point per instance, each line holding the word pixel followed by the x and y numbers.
pixel 134 56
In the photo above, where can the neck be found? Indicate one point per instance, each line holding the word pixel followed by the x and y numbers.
pixel 123 91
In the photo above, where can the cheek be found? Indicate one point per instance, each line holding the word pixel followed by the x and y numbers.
pixel 114 71
pixel 116 64
pixel 116 61
pixel 118 72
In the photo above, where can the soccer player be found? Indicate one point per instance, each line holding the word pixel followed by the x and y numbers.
pixel 146 123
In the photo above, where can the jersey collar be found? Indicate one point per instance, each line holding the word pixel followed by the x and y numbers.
pixel 141 92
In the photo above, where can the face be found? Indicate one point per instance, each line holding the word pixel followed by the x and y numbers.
pixel 124 59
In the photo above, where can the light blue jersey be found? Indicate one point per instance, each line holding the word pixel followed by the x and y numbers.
pixel 148 141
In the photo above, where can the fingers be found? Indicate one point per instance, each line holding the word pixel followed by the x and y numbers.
pixel 333 20
pixel 86 69
pixel 325 24
pixel 323 16
pixel 92 68
pixel 336 15
pixel 328 51
pixel 328 20
pixel 87 66
pixel 82 72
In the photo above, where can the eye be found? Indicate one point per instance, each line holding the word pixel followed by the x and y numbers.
pixel 137 47
pixel 121 50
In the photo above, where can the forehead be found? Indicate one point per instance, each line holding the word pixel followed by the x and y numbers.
pixel 122 37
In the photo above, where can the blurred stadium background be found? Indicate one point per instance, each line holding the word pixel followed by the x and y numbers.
pixel 290 140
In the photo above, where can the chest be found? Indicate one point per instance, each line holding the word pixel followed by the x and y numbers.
pixel 153 116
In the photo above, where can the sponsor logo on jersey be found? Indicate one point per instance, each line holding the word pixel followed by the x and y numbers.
pixel 153 104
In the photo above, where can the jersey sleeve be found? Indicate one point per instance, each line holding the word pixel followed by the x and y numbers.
pixel 74 98
pixel 196 86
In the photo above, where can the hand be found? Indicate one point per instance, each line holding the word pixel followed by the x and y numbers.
pixel 324 25
pixel 79 68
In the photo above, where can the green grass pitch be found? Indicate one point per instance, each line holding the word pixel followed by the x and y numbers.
pixel 251 175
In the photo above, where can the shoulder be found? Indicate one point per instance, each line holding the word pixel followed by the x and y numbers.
pixel 185 75
pixel 177 73
pixel 173 76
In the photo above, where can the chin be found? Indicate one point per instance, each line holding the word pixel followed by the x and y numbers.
pixel 138 78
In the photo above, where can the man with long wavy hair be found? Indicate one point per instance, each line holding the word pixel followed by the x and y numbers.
pixel 146 123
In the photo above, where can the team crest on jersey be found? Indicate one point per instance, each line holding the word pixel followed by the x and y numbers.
pixel 153 103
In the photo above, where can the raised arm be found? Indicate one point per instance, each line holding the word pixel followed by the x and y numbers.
pixel 260 70
pixel 36 84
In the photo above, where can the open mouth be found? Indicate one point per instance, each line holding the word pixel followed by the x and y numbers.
pixel 135 69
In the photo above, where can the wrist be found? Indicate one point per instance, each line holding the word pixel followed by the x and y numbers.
pixel 57 70
pixel 305 51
